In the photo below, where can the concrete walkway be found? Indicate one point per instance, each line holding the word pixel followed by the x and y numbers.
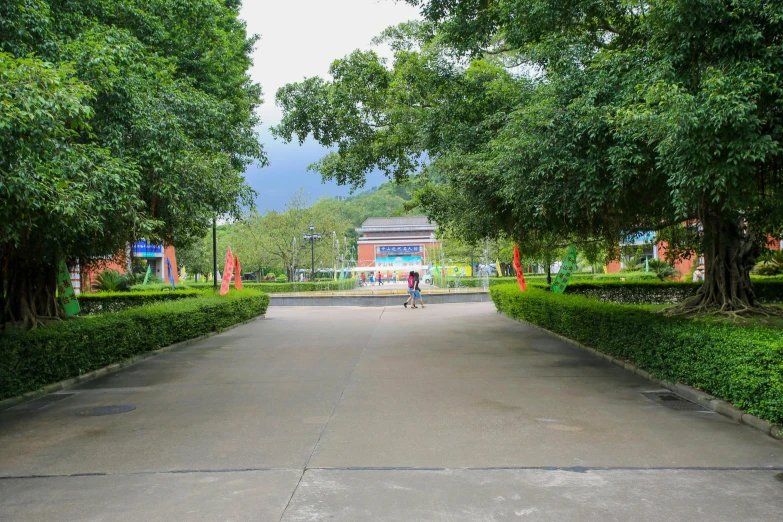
pixel 451 413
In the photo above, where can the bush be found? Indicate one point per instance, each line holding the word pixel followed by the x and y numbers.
pixel 116 301
pixel 60 350
pixel 741 365
pixel 661 292
pixel 111 281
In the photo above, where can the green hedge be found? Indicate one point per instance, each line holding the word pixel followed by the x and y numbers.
pixel 741 365
pixel 106 302
pixel 269 287
pixel 662 292
pixel 32 359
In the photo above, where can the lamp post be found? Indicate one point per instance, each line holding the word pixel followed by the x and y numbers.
pixel 312 237
pixel 214 254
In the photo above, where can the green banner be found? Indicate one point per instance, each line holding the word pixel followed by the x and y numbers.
pixel 147 275
pixel 566 270
pixel 65 291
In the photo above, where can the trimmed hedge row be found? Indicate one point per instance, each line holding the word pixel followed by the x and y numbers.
pixel 111 302
pixel 265 287
pixel 32 359
pixel 741 365
pixel 662 292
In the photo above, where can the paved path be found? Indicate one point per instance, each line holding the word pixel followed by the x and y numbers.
pixel 451 413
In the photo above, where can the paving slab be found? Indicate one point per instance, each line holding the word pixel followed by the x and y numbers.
pixel 536 495
pixel 156 497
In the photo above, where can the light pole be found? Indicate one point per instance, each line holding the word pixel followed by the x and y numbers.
pixel 214 254
pixel 312 237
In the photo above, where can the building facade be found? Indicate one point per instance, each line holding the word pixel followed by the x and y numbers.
pixel 397 244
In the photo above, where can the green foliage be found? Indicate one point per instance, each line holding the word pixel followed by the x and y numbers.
pixel 32 359
pixel 771 265
pixel 119 120
pixel 111 302
pixel 111 281
pixel 740 365
pixel 584 121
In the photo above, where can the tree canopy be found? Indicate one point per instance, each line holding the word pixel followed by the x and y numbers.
pixel 121 120
pixel 586 121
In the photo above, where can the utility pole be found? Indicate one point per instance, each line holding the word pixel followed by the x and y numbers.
pixel 214 254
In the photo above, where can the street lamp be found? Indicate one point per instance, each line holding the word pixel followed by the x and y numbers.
pixel 312 237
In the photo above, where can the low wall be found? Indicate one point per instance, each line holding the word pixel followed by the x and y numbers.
pixel 375 300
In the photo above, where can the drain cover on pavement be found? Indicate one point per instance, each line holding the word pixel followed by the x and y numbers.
pixel 105 410
pixel 673 402
pixel 40 402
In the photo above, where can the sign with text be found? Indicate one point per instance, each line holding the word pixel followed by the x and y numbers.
pixel 396 262
pixel 399 249
pixel 65 291
pixel 567 269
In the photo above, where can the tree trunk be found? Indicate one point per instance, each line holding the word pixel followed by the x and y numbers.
pixel 729 255
pixel 30 294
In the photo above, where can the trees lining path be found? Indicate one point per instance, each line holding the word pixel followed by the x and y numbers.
pixel 448 413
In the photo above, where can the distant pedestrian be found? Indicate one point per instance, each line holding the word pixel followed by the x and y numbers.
pixel 380 279
pixel 416 291
pixel 372 277
pixel 394 277
pixel 410 291
pixel 364 279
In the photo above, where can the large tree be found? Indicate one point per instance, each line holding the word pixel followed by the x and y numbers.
pixel 121 120
pixel 587 120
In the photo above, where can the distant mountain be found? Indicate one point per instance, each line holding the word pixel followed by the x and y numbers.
pixel 383 201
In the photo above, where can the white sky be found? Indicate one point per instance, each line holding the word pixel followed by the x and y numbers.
pixel 301 38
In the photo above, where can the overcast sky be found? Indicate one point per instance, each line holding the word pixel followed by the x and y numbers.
pixel 299 39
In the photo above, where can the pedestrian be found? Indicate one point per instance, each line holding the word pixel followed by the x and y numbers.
pixel 416 291
pixel 394 277
pixel 380 279
pixel 364 282
pixel 410 291
pixel 372 277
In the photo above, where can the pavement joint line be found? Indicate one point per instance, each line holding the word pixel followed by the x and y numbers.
pixel 336 405
pixel 573 469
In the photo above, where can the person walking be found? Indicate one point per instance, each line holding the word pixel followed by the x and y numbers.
pixel 410 291
pixel 416 290
pixel 380 279
pixel 394 277
pixel 363 278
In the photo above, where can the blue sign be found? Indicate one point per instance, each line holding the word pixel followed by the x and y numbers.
pixel 399 249
pixel 144 249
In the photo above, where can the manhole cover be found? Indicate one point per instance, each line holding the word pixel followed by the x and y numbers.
pixel 40 402
pixel 105 410
pixel 673 402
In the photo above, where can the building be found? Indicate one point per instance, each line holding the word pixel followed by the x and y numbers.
pixel 397 244
pixel 155 255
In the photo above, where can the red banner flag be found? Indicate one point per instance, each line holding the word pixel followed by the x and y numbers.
pixel 238 276
pixel 228 269
pixel 518 269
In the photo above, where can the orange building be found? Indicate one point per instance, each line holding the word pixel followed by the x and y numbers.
pixel 397 244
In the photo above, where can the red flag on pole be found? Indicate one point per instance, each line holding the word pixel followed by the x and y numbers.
pixel 228 269
pixel 238 277
pixel 518 269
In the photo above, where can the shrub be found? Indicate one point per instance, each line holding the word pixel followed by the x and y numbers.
pixel 111 281
pixel 60 350
pixel 661 292
pixel 117 301
pixel 741 365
